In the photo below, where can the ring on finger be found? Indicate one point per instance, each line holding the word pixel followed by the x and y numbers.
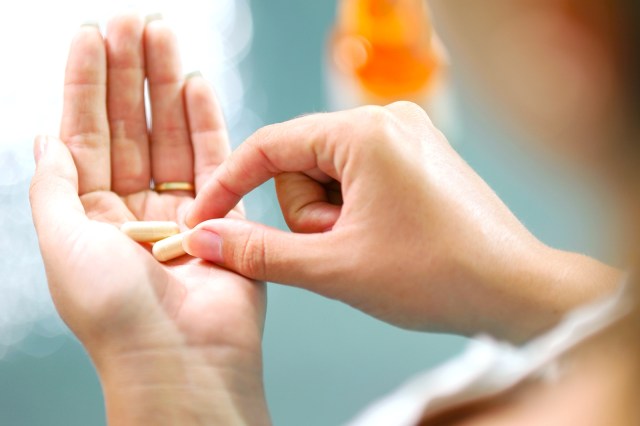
pixel 173 186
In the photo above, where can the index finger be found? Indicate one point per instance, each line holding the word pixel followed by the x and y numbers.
pixel 84 128
pixel 298 145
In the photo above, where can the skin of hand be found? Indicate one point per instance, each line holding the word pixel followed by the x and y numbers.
pixel 389 219
pixel 174 343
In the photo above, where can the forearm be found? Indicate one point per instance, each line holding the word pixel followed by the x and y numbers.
pixel 178 387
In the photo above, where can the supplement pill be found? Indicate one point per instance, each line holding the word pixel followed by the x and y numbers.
pixel 149 231
pixel 169 248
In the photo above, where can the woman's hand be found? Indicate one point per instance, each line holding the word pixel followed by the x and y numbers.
pixel 174 343
pixel 389 219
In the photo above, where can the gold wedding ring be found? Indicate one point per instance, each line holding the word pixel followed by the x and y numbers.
pixel 174 186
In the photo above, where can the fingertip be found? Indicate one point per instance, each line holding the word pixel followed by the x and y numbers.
pixel 202 103
pixel 52 151
pixel 157 25
pixel 193 75
pixel 126 22
pixel 319 218
pixel 88 29
pixel 195 214
pixel 91 25
pixel 87 56
pixel 160 40
pixel 189 219
pixel 203 243
pixel 198 91
pixel 152 18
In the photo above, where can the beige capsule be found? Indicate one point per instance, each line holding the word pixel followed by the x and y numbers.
pixel 169 248
pixel 149 231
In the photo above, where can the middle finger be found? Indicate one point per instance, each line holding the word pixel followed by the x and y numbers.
pixel 171 151
pixel 130 166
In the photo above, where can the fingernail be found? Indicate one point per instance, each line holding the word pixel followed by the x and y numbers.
pixel 91 24
pixel 153 17
pixel 193 74
pixel 40 148
pixel 204 244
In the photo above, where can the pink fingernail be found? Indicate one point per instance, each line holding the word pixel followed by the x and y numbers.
pixel 205 245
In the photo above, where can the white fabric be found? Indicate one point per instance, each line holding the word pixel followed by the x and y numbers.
pixel 488 367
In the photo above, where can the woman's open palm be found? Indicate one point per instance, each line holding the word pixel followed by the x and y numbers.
pixel 108 288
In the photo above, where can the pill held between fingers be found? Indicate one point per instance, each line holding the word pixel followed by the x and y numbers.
pixel 169 248
pixel 149 231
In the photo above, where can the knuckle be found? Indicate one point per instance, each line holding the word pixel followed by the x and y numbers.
pixel 376 114
pixel 367 126
pixel 409 112
pixel 263 144
pixel 382 126
pixel 262 136
pixel 91 139
pixel 251 256
pixel 405 106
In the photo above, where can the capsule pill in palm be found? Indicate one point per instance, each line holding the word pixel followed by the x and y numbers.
pixel 149 231
pixel 169 248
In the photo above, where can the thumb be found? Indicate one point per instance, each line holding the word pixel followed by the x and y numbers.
pixel 55 205
pixel 267 254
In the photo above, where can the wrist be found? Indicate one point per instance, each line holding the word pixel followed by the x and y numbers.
pixel 545 284
pixel 183 386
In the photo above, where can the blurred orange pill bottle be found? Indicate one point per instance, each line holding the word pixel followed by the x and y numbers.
pixel 381 51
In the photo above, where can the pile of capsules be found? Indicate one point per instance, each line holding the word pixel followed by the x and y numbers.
pixel 165 236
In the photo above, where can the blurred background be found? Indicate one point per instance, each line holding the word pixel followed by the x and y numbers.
pixel 269 61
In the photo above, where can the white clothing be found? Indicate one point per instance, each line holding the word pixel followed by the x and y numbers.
pixel 488 367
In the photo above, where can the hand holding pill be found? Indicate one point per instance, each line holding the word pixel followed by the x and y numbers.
pixel 382 209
